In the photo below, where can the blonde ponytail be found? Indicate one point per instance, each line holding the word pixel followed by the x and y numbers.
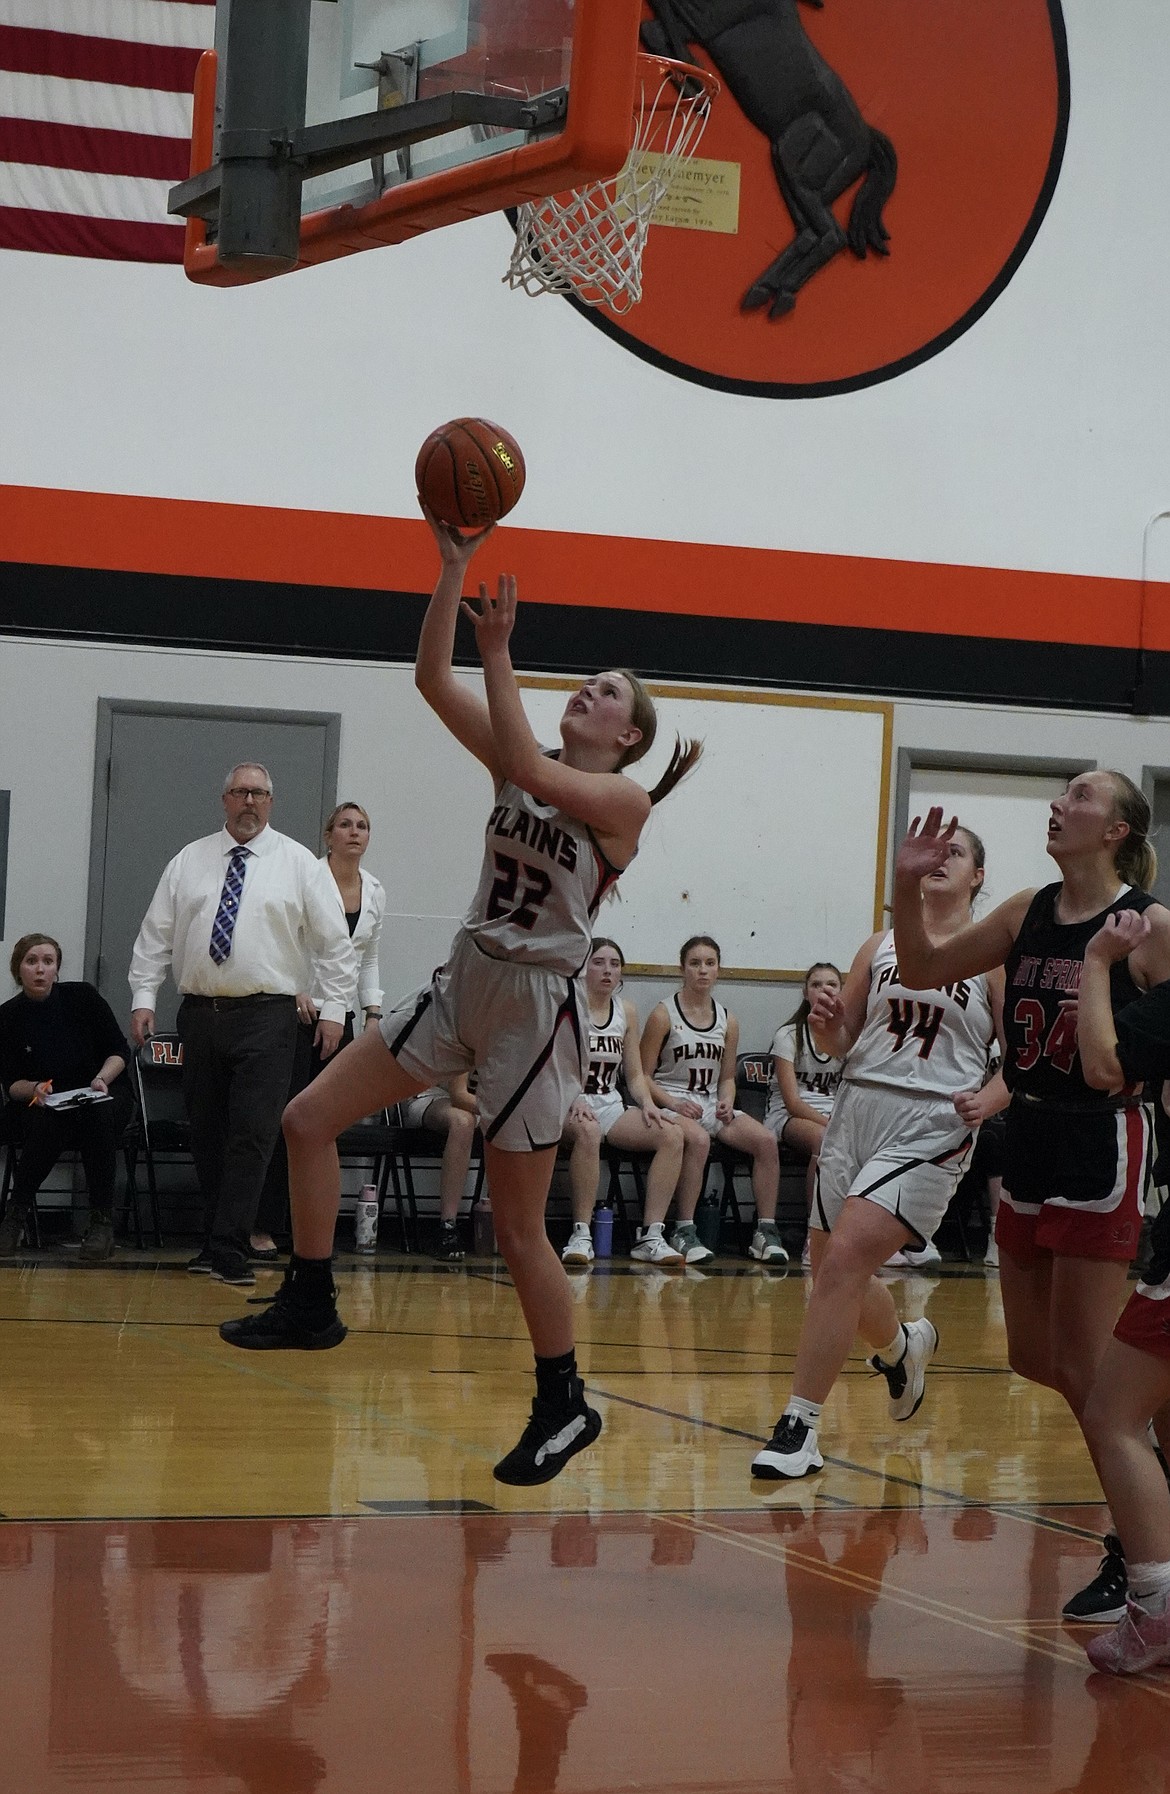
pixel 644 717
pixel 684 756
pixel 1135 859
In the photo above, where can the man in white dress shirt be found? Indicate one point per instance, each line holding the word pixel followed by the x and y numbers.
pixel 240 919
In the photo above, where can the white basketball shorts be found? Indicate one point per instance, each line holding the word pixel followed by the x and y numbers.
pixel 608 1109
pixel 523 1029
pixel 902 1150
pixel 413 1112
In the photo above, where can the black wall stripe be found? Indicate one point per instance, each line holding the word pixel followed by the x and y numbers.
pixel 178 611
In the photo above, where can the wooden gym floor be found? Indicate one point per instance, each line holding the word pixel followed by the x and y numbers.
pixel 224 1572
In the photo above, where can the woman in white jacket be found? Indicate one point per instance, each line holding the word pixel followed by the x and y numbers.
pixel 362 901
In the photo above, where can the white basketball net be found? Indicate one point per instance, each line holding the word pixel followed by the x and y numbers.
pixel 590 242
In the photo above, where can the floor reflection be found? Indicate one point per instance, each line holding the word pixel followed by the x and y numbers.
pixel 797 1649
pixel 546 1702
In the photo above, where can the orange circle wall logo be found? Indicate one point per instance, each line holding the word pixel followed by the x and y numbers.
pixel 872 175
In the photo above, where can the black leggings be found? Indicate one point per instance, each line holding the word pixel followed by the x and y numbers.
pixel 44 1134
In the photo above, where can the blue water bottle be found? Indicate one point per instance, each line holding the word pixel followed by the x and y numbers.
pixel 602 1232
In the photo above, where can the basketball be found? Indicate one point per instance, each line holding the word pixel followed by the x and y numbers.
pixel 469 473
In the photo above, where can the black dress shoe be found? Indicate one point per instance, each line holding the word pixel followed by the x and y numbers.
pixel 232 1268
pixel 98 1244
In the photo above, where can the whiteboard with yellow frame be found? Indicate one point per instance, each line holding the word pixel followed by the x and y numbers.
pixel 776 843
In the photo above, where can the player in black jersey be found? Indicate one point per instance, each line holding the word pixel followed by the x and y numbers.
pixel 506 1004
pixel 1075 1158
pixel 1132 1386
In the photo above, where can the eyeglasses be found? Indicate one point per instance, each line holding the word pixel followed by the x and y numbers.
pixel 244 791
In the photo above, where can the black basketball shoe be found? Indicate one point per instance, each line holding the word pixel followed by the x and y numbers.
pixel 551 1438
pixel 1103 1599
pixel 288 1323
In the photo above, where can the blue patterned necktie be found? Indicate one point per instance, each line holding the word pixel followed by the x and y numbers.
pixel 224 925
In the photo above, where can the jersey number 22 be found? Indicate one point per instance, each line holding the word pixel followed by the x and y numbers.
pixel 502 898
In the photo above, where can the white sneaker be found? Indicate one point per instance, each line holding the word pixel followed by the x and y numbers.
pixel 897 1261
pixel 906 1380
pixel 767 1245
pixel 991 1256
pixel 579 1250
pixel 652 1249
pixel 791 1451
pixel 930 1255
pixel 686 1242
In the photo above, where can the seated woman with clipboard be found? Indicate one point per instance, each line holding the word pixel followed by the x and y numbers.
pixel 63 1039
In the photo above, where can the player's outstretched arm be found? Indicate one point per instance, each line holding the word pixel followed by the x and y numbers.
pixel 980 947
pixel 465 714
pixel 1096 1028
pixel 616 807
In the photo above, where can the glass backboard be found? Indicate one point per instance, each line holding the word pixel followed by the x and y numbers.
pixel 370 58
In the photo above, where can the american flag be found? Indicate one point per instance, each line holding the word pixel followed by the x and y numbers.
pixel 95 123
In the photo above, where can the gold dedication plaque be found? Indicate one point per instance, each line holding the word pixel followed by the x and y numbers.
pixel 703 195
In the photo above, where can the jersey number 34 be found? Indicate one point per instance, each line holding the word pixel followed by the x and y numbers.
pixel 1060 1044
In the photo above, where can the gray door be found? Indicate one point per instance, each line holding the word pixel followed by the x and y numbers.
pixel 158 777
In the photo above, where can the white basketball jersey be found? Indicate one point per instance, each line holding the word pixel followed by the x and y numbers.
pixel 607 1046
pixel 935 1041
pixel 542 881
pixel 816 1077
pixel 691 1057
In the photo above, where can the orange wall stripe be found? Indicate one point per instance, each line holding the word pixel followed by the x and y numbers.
pixel 51 527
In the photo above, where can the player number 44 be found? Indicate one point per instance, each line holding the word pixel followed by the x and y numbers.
pixel 910 1020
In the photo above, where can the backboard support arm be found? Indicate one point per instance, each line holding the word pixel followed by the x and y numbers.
pixel 319 149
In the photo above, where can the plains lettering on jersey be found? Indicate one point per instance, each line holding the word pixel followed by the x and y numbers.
pixel 935 1041
pixel 607 1046
pixel 691 1058
pixel 542 881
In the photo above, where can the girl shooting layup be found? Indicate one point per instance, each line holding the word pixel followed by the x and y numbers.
pixel 507 1003
pixel 897 1143
pixel 1075 1158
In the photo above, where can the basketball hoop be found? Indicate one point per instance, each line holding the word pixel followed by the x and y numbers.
pixel 590 242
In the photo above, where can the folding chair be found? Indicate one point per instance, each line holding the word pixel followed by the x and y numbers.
pixel 161 1127
pixel 752 1078
pixel 614 1158
pixel 10 1140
